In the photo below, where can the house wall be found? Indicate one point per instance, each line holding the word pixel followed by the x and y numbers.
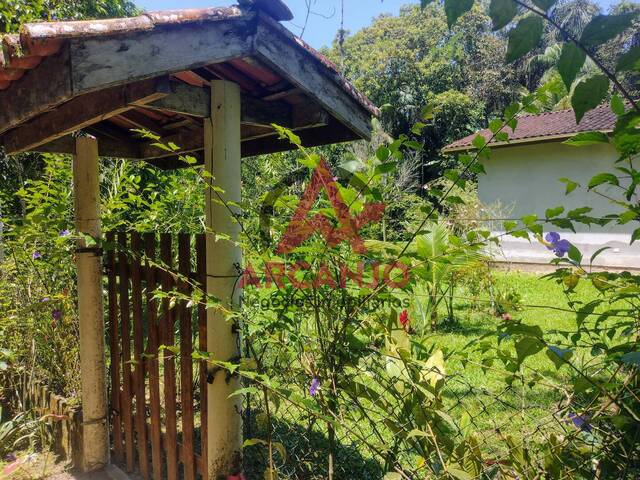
pixel 524 179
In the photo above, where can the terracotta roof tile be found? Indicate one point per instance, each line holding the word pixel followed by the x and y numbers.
pixel 546 125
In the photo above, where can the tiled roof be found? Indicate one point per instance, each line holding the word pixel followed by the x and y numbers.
pixel 546 126
pixel 25 51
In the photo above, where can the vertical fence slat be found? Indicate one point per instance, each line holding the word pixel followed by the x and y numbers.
pixel 126 351
pixel 154 375
pixel 186 359
pixel 114 346
pixel 138 347
pixel 201 262
pixel 171 438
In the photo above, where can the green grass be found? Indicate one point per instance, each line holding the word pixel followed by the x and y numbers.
pixel 494 409
pixel 522 410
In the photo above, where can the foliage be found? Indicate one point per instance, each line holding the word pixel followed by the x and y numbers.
pixel 14 13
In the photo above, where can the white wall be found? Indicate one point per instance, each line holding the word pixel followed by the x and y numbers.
pixel 523 180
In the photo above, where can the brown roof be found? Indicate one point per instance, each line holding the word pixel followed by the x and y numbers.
pixel 26 50
pixel 545 126
pixel 60 67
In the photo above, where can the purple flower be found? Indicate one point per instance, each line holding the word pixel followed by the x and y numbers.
pixel 36 255
pixel 315 386
pixel 559 246
pixel 580 421
pixel 56 314
pixel 65 233
pixel 45 300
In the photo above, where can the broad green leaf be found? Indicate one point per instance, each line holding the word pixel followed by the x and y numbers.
pixel 524 37
pixel 617 105
pixel 575 254
pixel 502 12
pixel 635 235
pixel 527 346
pixel 553 212
pixel 605 27
pixel 455 9
pixel 601 178
pixel 588 94
pixel 382 153
pixel 571 61
pixel 459 474
pixel 630 60
pixel 587 138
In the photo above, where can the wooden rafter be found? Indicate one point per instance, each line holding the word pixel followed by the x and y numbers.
pixel 83 111
pixel 196 102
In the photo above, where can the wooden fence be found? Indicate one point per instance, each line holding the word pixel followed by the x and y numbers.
pixel 158 394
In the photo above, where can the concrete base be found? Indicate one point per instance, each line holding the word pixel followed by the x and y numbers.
pixel 110 472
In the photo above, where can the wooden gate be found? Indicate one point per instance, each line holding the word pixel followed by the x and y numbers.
pixel 158 392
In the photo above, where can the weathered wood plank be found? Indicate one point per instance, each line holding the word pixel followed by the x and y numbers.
pixel 97 63
pixel 126 351
pixel 167 334
pixel 139 362
pixel 201 275
pixel 107 147
pixel 39 89
pixel 81 112
pixel 114 350
pixel 189 100
pixel 186 360
pixel 154 343
pixel 276 47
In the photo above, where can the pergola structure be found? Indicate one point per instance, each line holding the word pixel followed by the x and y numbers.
pixel 210 81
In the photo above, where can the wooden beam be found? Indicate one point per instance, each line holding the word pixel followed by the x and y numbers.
pixel 276 46
pixel 82 111
pixel 107 147
pixel 38 90
pixel 101 62
pixel 193 141
pixel 195 101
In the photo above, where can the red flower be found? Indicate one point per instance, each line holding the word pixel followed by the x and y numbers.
pixel 506 317
pixel 239 476
pixel 404 319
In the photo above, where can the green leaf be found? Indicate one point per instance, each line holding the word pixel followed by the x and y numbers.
pixel 605 27
pixel 382 153
pixel 479 141
pixel 571 61
pixel 455 9
pixel 502 12
pixel 603 178
pixel 459 474
pixel 575 254
pixel 630 60
pixel 635 235
pixel 587 138
pixel 553 212
pixel 524 37
pixel 571 185
pixel 588 94
pixel 617 105
pixel 527 346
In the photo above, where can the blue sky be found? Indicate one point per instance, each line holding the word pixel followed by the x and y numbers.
pixel 323 25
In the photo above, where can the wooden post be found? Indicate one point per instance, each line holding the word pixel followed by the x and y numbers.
pixel 90 310
pixel 222 162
